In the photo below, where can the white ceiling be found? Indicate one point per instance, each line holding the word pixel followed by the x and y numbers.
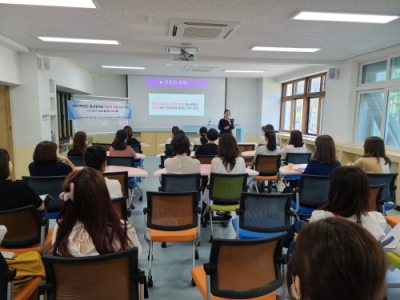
pixel 144 43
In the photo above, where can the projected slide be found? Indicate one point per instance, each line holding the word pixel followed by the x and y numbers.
pixel 176 104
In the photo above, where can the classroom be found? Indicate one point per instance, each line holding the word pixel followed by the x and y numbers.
pixel 296 65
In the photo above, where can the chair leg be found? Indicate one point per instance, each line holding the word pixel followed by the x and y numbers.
pixel 255 184
pixel 211 225
pixel 150 278
pixel 141 193
pixel 284 294
pixel 130 197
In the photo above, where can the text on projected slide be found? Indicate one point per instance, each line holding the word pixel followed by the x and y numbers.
pixel 176 105
pixel 176 82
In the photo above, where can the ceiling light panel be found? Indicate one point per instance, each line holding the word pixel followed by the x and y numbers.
pixel 62 3
pixel 123 67
pixel 243 71
pixel 79 41
pixel 284 49
pixel 344 17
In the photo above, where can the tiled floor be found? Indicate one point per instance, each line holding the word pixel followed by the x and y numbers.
pixel 171 265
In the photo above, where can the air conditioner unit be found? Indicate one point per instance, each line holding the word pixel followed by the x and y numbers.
pixel 204 30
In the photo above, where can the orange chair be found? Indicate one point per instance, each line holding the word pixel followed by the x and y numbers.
pixel 374 201
pixel 171 217
pixel 241 269
pixel 392 220
pixel 25 230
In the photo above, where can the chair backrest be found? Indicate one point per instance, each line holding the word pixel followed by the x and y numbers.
pixel 375 197
pixel 51 185
pixel 267 165
pixel 120 205
pixel 227 188
pixel 23 227
pixel 389 191
pixel 180 182
pixel 195 147
pixel 172 211
pixel 265 212
pixel 105 145
pixel 297 158
pixel 166 147
pixel 243 269
pixel 205 159
pixel 313 190
pixel 137 148
pixel 122 177
pixel 126 161
pixel 76 160
pixel 246 147
pixel 162 159
pixel 106 276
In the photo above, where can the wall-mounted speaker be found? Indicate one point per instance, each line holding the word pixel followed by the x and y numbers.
pixel 333 73
pixel 44 63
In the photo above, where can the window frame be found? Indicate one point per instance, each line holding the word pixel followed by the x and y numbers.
pixel 306 99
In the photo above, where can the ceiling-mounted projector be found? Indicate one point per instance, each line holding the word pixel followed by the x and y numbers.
pixel 183 53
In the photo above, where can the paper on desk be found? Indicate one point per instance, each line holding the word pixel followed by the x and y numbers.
pixel 395 233
pixel 7 255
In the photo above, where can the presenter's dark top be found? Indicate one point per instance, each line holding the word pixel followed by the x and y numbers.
pixel 207 149
pixel 17 194
pixel 74 154
pixel 222 124
pixel 49 169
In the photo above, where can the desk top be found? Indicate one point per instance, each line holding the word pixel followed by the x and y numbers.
pixel 250 153
pixel 192 154
pixel 205 171
pixel 132 172
pixel 298 169
pixel 138 155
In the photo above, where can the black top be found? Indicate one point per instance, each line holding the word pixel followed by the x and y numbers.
pixel 50 169
pixel 207 149
pixel 72 153
pixel 132 141
pixel 17 194
pixel 223 123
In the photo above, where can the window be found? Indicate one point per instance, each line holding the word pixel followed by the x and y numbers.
pixel 395 68
pixel 369 115
pixel 392 131
pixel 64 125
pixel 375 72
pixel 302 104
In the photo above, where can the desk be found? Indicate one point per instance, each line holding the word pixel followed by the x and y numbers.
pixel 138 155
pixel 192 154
pixel 132 172
pixel 163 145
pixel 285 171
pixel 205 171
pixel 144 145
pixel 250 153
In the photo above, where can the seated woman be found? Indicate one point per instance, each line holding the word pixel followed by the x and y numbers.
pixel 16 194
pixel 270 148
pixel 131 141
pixel 88 224
pixel 170 152
pixel 181 163
pixel 79 145
pixel 324 160
pixel 119 146
pixel 374 159
pixel 46 162
pixel 210 148
pixel 174 130
pixel 295 143
pixel 261 140
pixel 202 140
pixel 96 157
pixel 337 259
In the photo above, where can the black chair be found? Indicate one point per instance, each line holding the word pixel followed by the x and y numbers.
pixel 268 168
pixel 162 159
pixel 311 194
pixel 76 160
pixel 180 183
pixel 297 158
pixel 121 208
pixel 51 185
pixel 125 161
pixel 241 269
pixel 137 148
pixel 375 202
pixel 389 191
pixel 105 145
pixel 195 147
pixel 166 147
pixel 107 276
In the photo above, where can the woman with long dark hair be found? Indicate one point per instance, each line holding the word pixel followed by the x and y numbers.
pixel 270 147
pixel 88 224
pixel 119 146
pixel 79 144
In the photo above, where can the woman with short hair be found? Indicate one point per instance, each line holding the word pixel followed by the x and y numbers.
pixel 181 163
pixel 46 162
pixel 210 148
pixel 295 143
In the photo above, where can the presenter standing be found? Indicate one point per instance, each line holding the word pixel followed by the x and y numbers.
pixel 226 125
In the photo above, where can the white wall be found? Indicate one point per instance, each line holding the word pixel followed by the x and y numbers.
pixel 244 97
pixel 9 67
pixel 110 85
pixel 271 103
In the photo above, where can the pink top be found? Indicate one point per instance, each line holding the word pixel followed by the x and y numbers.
pixel 128 151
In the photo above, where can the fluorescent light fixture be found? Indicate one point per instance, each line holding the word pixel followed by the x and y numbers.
pixel 243 71
pixel 123 67
pixel 62 3
pixel 344 17
pixel 284 49
pixel 79 41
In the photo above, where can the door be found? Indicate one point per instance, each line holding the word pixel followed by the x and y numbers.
pixel 5 124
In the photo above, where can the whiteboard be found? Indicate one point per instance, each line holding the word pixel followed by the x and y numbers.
pixel 104 126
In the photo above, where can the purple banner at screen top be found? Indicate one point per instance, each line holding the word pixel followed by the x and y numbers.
pixel 176 82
